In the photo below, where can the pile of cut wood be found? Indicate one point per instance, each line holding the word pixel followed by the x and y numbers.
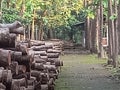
pixel 27 65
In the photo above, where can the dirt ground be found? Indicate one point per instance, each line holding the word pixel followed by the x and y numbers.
pixel 85 72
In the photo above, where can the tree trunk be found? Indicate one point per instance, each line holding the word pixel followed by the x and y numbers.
pixel 100 31
pixel 6 39
pixel 118 27
pixel 19 30
pixel 5 56
pixel 33 26
pixel 0 10
pixel 11 26
pixel 112 38
pixel 116 35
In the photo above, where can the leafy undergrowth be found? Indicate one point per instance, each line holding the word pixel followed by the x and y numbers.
pixel 70 61
pixel 115 72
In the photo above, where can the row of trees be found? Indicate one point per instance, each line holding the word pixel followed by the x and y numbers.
pixel 103 15
pixel 42 18
pixel 45 19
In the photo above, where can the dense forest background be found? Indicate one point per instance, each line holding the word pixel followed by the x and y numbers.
pixel 45 19
pixel 96 21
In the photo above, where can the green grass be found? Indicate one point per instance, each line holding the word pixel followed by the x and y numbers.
pixel 71 61
pixel 86 59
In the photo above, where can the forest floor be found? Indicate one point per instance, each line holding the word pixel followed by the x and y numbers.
pixel 85 72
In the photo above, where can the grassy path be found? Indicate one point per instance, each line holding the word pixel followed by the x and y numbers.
pixel 84 72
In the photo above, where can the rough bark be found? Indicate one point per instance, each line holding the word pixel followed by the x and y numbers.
pixel 11 26
pixel 5 56
pixel 118 27
pixel 19 30
pixel 7 39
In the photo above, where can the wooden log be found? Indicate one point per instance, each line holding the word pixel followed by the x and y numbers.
pixel 31 82
pixel 19 30
pixel 22 48
pixel 51 81
pixel 21 69
pixel 58 63
pixel 2 86
pixel 28 88
pixel 6 78
pixel 6 39
pixel 26 42
pixel 24 75
pixel 60 49
pixel 5 56
pixel 44 57
pixel 53 51
pixel 38 86
pixel 31 88
pixel 25 60
pixel 39 60
pixel 42 47
pixel 50 67
pixel 51 84
pixel 11 26
pixel 2 68
pixel 16 55
pixel 17 83
pixel 22 82
pixel 41 53
pixel 37 43
pixel 39 48
pixel 22 88
pixel 14 68
pixel 44 87
pixel 52 60
pixel 45 78
pixel 12 40
pixel 53 74
pixel 37 66
pixel 36 74
pixel 53 55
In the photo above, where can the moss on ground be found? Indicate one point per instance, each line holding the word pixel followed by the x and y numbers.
pixel 71 61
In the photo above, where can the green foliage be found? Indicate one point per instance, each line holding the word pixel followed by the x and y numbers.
pixel 10 15
pixel 113 17
pixel 58 15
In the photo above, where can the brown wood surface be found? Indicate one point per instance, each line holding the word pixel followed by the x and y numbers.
pixel 5 56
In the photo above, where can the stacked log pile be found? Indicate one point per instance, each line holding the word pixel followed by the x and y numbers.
pixel 27 65
pixel 46 64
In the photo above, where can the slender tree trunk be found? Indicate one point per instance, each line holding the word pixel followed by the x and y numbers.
pixel 109 37
pixel 29 31
pixel 93 35
pixel 116 35
pixel 0 10
pixel 100 31
pixel 41 31
pixel 112 38
pixel 87 31
pixel 90 39
pixel 33 26
pixel 118 27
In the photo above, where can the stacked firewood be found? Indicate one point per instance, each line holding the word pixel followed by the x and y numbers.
pixel 46 64
pixel 27 65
